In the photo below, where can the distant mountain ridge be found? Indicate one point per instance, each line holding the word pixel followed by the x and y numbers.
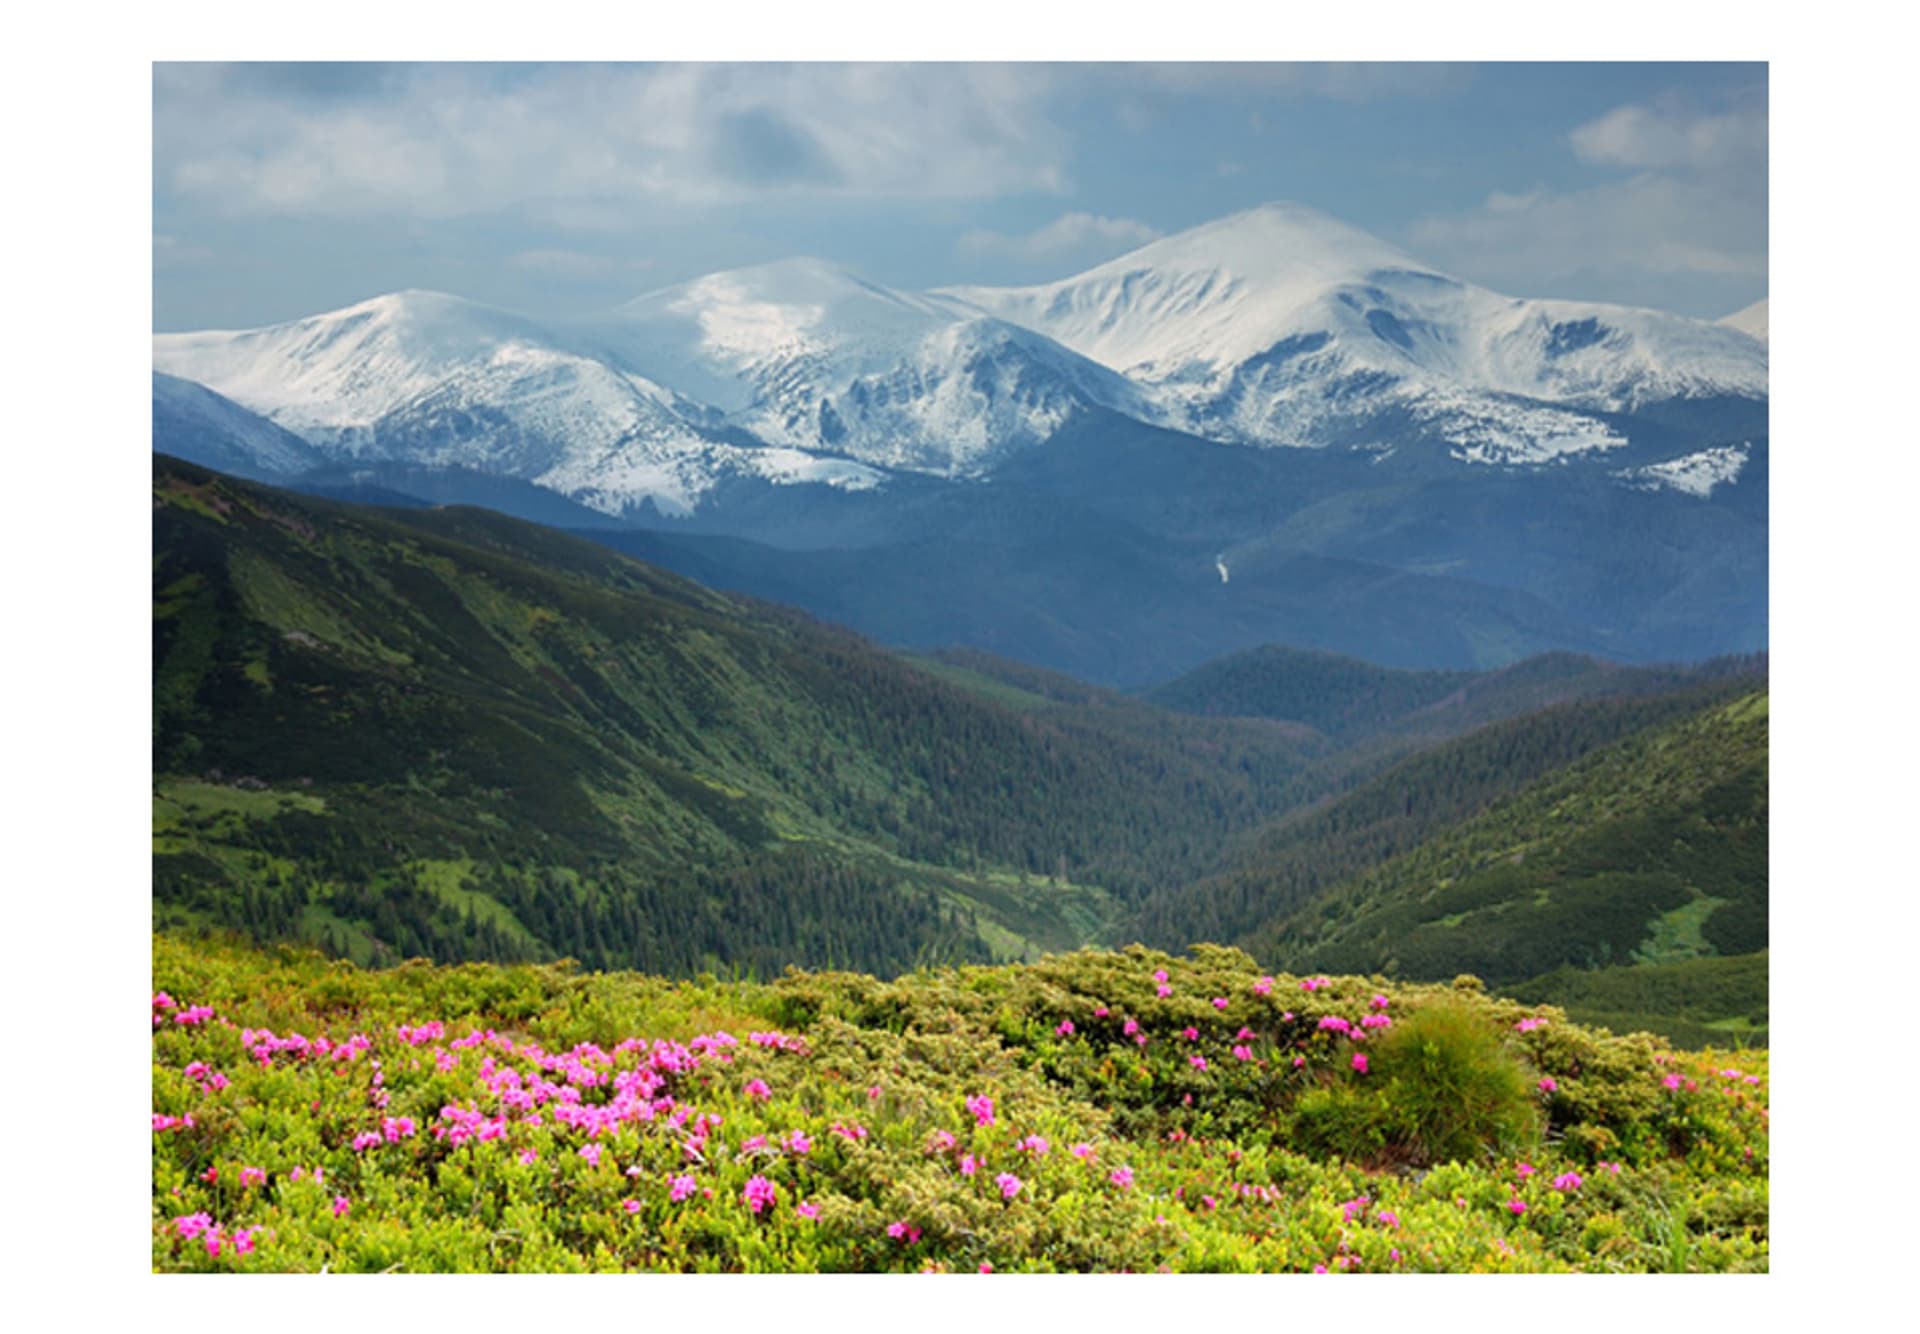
pixel 1277 326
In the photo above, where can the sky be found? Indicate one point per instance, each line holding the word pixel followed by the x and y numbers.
pixel 283 190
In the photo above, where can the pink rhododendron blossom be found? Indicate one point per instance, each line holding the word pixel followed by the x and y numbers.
pixel 1009 1185
pixel 1033 1144
pixel 1121 1177
pixel 798 1143
pixel 681 1187
pixel 1567 1181
pixel 1263 987
pixel 757 1088
pixel 982 1108
pixel 1242 1052
pixel 252 1176
pixel 1160 975
pixel 1190 1033
pixel 968 1164
pixel 1163 990
pixel 1360 1062
pixel 341 1206
pixel 1064 1028
pixel 940 1141
pixel 807 1209
pixel 759 1193
pixel 1197 1062
pixel 1084 1152
pixel 1523 1170
pixel 1548 1084
pixel 1517 1205
pixel 1220 1002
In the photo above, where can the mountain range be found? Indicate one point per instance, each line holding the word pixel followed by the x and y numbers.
pixel 1271 428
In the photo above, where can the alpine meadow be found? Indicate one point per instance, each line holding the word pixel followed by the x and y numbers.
pixel 955 668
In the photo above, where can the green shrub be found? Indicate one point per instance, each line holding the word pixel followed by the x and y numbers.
pixel 1452 1089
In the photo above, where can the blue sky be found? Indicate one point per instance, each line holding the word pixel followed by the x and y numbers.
pixel 284 190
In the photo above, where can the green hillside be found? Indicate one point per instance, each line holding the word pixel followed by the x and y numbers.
pixel 1651 851
pixel 452 733
pixel 1269 873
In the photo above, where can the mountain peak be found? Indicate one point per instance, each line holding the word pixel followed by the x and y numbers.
pixel 1274 241
pixel 1749 320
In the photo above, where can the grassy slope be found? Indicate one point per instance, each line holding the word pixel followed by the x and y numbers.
pixel 1651 852
pixel 455 732
pixel 1614 1154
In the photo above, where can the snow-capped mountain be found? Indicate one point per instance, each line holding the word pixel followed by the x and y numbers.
pixel 192 422
pixel 426 378
pixel 1283 326
pixel 808 355
pixel 1749 320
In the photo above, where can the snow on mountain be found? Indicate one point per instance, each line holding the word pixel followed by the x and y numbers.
pixel 192 422
pixel 432 379
pixel 1695 474
pixel 1283 326
pixel 806 354
pixel 1750 320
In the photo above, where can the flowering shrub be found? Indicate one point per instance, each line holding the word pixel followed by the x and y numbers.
pixel 312 1115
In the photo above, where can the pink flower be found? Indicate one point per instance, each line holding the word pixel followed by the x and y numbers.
pixel 252 1176
pixel 1034 1145
pixel 1163 990
pixel 680 1188
pixel 1197 1062
pixel 1064 1028
pixel 1101 1012
pixel 1121 1177
pixel 1380 1002
pixel 798 1143
pixel 941 1141
pixel 1190 1033
pixel 1517 1205
pixel 1219 1002
pixel 903 1232
pixel 370 1140
pixel 807 1209
pixel 1547 1084
pixel 1130 1027
pixel 1524 1170
pixel 1009 1185
pixel 1376 1021
pixel 243 1241
pixel 341 1206
pixel 1389 1217
pixel 1139 1039
pixel 193 1225
pixel 759 1193
pixel 529 1156
pixel 1299 1061
pixel 873 1093
pixel 986 1266
pixel 752 1143
pixel 1084 1152
pixel 1243 1053
pixel 1528 1024
pixel 982 1108
pixel 1160 975
pixel 1360 1062
pixel 591 1152
pixel 1567 1181
pixel 757 1088
pixel 1334 1023
pixel 1671 1081
pixel 631 1206
pixel 1263 987
pixel 396 1128
pixel 968 1164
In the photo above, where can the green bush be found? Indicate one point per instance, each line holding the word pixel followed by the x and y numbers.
pixel 1453 1090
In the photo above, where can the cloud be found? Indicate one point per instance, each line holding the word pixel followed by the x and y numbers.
pixel 1643 137
pixel 1692 209
pixel 1070 234
pixel 589 142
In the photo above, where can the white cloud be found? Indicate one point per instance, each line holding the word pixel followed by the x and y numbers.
pixel 1689 222
pixel 1643 137
pixel 1070 234
pixel 447 140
